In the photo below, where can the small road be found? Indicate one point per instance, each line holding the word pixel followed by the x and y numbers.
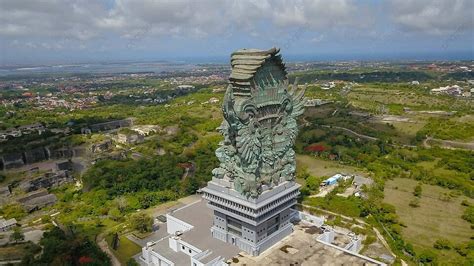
pixel 362 136
pixel 333 213
pixel 9 262
pixel 105 248
pixel 449 144
pixel 384 242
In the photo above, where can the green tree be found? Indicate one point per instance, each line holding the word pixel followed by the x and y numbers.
pixel 62 249
pixel 17 235
pixel 122 204
pixel 312 183
pixel 141 222
pixel 115 214
pixel 427 256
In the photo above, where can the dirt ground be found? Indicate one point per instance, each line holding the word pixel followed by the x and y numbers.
pixel 300 248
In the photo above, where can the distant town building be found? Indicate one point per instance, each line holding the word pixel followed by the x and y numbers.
pixel 453 90
pixel 328 85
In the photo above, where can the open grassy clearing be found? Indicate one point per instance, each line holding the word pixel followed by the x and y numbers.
pixel 370 98
pixel 434 219
pixel 318 167
pixel 407 128
pixel 13 252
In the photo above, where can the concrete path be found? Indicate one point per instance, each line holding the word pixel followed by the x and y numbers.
pixel 105 248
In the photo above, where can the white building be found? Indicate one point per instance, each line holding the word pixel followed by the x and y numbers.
pixel 189 240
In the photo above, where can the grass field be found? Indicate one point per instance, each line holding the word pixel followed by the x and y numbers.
pixel 14 252
pixel 318 167
pixel 408 128
pixel 126 250
pixel 434 219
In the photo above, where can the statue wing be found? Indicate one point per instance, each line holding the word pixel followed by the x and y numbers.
pixel 298 100
pixel 248 143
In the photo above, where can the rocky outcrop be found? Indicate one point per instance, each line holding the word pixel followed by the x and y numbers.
pixel 19 159
pixel 35 155
pixel 12 160
pixel 49 180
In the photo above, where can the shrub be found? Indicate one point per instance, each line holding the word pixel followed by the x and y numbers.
pixel 442 244
pixel 469 214
pixel 13 211
pixel 417 191
pixel 427 256
pixel 414 203
pixel 409 249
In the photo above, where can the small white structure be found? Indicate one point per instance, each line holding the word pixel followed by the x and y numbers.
pixel 454 90
pixel 186 87
pixel 309 218
pixel 6 225
pixel 334 179
pixel 213 100
pixel 146 130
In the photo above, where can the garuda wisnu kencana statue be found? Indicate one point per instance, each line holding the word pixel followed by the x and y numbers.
pixel 260 123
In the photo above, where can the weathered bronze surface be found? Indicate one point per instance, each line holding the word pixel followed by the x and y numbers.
pixel 260 123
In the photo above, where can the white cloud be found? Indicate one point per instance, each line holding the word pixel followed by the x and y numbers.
pixel 438 17
pixel 318 14
pixel 133 19
pixel 75 22
pixel 50 18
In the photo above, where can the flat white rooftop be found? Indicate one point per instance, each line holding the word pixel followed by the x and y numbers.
pixel 201 218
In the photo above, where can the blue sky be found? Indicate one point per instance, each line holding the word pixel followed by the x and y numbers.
pixel 70 31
